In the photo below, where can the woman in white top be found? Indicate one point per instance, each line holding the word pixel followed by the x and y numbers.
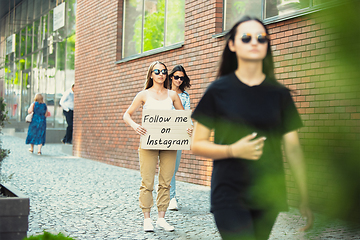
pixel 155 96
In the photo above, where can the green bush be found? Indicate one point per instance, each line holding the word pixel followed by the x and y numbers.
pixel 49 236
pixel 3 117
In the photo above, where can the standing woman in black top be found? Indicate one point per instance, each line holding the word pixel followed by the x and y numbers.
pixel 248 181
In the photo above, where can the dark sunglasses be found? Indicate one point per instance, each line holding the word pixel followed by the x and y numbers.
pixel 157 71
pixel 261 38
pixel 177 77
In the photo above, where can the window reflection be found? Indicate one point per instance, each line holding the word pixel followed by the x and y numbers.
pixel 235 9
pixel 145 27
pixel 43 61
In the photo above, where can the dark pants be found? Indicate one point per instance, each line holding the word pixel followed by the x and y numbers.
pixel 244 224
pixel 69 130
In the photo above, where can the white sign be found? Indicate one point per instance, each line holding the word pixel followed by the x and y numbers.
pixel 10 44
pixel 166 129
pixel 59 17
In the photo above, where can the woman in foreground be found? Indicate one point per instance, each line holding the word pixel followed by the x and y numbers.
pixel 251 114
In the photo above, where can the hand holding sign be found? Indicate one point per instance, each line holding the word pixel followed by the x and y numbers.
pixel 166 129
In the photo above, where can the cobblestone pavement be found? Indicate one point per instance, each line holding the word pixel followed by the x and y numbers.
pixel 85 199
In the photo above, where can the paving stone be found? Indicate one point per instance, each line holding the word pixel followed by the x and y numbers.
pixel 86 199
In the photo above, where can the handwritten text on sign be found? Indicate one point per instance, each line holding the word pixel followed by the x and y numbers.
pixel 166 129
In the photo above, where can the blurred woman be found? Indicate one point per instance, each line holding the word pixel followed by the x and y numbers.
pixel 155 95
pixel 37 128
pixel 248 182
pixel 179 81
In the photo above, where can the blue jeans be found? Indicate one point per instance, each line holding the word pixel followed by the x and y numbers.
pixel 173 184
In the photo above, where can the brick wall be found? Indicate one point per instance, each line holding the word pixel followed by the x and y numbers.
pixel 304 54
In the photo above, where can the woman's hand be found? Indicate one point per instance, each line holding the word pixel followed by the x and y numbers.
pixel 139 129
pixel 247 147
pixel 306 213
pixel 190 131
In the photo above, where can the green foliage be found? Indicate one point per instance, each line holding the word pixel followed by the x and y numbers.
pixel 49 236
pixel 153 28
pixel 3 117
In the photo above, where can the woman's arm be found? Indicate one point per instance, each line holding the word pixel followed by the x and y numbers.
pixel 31 108
pixel 246 148
pixel 176 100
pixel 138 100
pixel 294 156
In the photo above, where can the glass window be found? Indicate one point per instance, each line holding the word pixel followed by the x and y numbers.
pixel 44 32
pixel 29 39
pixel 71 20
pixel 30 10
pixel 284 7
pixel 52 4
pixel 44 6
pixel 28 62
pixel 60 55
pixel 37 8
pixel 154 25
pixel 7 25
pixel 17 18
pixel 235 9
pixel 146 23
pixel 17 44
pixel 23 42
pixel 24 18
pixel 132 21
pixel 11 25
pixel 175 27
pixel 37 34
pixel 2 30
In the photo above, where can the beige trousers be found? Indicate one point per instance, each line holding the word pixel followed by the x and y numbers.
pixel 148 161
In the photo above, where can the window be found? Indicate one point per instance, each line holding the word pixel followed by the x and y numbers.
pixel 152 24
pixel 235 9
pixel 266 9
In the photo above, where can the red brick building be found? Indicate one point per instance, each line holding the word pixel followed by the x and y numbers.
pixel 109 71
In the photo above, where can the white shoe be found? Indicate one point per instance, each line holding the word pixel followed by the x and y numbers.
pixel 161 223
pixel 173 205
pixel 148 226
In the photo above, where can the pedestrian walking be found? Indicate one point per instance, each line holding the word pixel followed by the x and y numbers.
pixel 37 128
pixel 179 81
pixel 67 103
pixel 155 95
pixel 248 182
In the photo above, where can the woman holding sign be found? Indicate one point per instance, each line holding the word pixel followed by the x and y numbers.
pixel 248 182
pixel 155 96
pixel 179 81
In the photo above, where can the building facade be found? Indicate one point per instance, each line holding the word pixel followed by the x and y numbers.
pixel 37 50
pixel 116 41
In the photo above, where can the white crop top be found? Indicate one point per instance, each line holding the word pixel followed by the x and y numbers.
pixel 152 103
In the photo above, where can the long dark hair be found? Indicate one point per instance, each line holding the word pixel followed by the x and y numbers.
pixel 149 81
pixel 185 83
pixel 229 63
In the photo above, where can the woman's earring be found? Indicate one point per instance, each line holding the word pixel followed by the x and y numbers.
pixel 151 78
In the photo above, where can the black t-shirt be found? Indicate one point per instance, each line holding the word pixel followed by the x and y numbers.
pixel 234 110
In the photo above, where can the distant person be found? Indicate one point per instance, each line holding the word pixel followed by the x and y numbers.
pixel 67 103
pixel 251 114
pixel 156 96
pixel 37 127
pixel 179 81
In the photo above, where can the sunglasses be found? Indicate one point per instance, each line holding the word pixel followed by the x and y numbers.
pixel 177 77
pixel 261 38
pixel 157 71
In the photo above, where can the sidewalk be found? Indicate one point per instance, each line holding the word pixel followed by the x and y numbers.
pixel 86 199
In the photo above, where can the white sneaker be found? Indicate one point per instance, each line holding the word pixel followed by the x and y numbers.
pixel 161 223
pixel 148 227
pixel 173 205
